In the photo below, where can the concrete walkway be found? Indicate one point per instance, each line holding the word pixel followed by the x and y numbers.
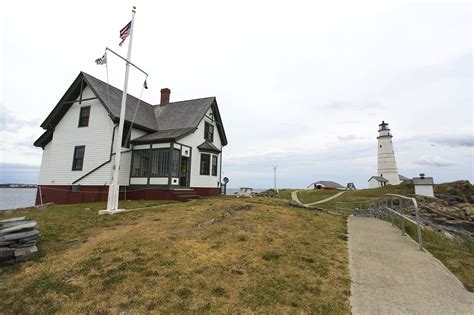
pixel 294 196
pixel 391 276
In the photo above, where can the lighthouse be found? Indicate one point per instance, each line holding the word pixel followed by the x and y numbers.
pixel 386 164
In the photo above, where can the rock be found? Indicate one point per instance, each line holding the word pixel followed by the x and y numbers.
pixel 21 227
pixel 17 236
pixel 6 252
pixel 23 254
pixel 242 208
pixel 294 204
pixel 440 220
pixel 45 205
pixel 226 215
pixel 206 223
pixel 248 228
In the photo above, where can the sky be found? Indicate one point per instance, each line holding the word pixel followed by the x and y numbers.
pixel 299 84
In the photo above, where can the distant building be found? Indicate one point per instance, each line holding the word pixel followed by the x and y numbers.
pixel 387 172
pixel 423 185
pixel 325 184
pixel 379 181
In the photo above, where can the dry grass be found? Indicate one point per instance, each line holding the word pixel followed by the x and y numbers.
pixel 268 259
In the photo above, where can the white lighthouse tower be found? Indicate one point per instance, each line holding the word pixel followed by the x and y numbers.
pixel 386 165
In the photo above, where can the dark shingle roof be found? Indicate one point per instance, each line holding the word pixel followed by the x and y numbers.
pixel 208 146
pixel 112 100
pixel 328 184
pixel 183 114
pixel 163 135
pixel 379 179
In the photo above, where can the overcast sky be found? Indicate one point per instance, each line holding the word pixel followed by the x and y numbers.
pixel 298 84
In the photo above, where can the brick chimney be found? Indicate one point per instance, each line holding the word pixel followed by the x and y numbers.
pixel 165 96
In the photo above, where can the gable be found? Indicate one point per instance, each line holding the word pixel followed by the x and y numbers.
pixel 110 97
pixel 189 114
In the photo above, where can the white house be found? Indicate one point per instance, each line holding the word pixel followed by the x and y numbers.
pixel 423 185
pixel 377 181
pixel 380 181
pixel 172 150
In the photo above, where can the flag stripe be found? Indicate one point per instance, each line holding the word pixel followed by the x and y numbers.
pixel 125 32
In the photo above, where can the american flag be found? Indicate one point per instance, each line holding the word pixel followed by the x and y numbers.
pixel 125 32
pixel 102 60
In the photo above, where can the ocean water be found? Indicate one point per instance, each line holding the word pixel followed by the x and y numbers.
pixel 11 198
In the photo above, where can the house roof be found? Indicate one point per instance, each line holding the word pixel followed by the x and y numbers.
pixel 379 179
pixel 163 136
pixel 401 177
pixel 152 118
pixel 111 98
pixel 208 146
pixel 328 184
pixel 423 181
pixel 44 139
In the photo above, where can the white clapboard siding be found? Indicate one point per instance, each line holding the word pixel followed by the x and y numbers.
pixel 96 138
pixel 194 140
pixel 56 165
pixel 46 162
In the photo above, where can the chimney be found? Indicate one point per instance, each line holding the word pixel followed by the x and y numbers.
pixel 422 175
pixel 165 96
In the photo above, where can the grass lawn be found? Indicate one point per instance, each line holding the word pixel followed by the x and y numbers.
pixel 310 196
pixel 264 258
pixel 286 193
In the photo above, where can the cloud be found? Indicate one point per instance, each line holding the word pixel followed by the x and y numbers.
pixel 351 138
pixel 455 141
pixel 10 122
pixel 434 161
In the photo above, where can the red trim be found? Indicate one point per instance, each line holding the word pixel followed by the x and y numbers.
pixel 203 191
pixel 62 194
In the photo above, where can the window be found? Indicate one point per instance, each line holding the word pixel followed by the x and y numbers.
pixel 84 116
pixel 214 165
pixel 205 163
pixel 78 158
pixel 159 162
pixel 175 163
pixel 141 163
pixel 209 132
pixel 75 188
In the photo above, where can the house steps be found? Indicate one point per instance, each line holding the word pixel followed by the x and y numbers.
pixel 185 194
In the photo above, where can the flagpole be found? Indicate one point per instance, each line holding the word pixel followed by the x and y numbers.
pixel 113 197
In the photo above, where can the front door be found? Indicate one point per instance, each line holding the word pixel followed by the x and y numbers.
pixel 184 172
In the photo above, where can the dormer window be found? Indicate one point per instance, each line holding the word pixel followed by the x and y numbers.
pixel 84 116
pixel 209 132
